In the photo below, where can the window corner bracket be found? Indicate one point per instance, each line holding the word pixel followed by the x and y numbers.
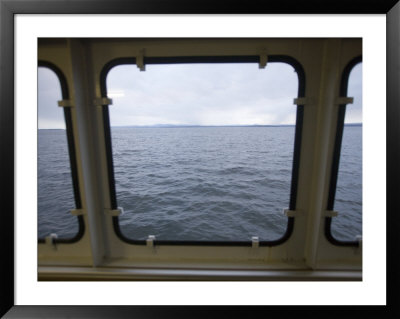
pixel 150 241
pixel 331 213
pixel 303 101
pixel 100 101
pixel 114 212
pixel 344 100
pixel 65 103
pixel 77 212
pixel 263 59
pixel 255 242
pixel 290 213
pixel 51 240
pixel 140 60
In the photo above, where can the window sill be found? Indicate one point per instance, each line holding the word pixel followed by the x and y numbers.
pixel 161 274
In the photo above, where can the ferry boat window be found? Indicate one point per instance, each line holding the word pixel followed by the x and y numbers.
pixel 202 152
pixel 57 194
pixel 348 197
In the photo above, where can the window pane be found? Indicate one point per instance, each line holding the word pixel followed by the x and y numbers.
pixel 55 192
pixel 348 200
pixel 203 151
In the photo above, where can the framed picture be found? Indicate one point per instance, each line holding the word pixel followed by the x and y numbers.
pixel 11 10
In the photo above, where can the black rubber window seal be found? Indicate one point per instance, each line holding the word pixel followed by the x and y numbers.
pixel 72 156
pixel 336 156
pixel 206 59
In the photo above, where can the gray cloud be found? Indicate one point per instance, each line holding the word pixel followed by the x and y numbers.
pixel 206 94
pixel 50 115
pixel 200 94
pixel 354 111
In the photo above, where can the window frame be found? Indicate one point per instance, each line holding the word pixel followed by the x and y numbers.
pixel 193 60
pixel 72 155
pixel 336 156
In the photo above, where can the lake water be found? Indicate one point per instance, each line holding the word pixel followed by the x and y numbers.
pixel 198 183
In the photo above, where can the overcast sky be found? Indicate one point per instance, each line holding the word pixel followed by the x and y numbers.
pixel 198 94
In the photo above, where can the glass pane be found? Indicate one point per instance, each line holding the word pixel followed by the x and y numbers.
pixel 348 200
pixel 203 151
pixel 55 192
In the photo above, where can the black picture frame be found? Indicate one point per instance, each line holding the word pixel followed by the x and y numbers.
pixel 8 10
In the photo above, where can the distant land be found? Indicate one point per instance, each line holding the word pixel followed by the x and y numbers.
pixel 51 129
pixel 193 125
pixel 233 125
pixel 353 124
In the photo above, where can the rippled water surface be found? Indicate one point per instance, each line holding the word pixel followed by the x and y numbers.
pixel 203 183
pixel 197 183
pixel 348 200
pixel 55 193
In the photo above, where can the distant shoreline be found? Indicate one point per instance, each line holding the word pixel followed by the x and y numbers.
pixel 234 125
pixel 189 126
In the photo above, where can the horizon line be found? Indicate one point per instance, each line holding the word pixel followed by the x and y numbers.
pixel 199 125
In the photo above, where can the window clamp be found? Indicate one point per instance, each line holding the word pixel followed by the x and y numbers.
pixel 65 103
pixel 331 213
pixel 114 212
pixel 303 101
pixel 359 240
pixel 263 59
pixel 255 242
pixel 344 100
pixel 150 241
pixel 51 240
pixel 77 212
pixel 140 60
pixel 290 213
pixel 102 101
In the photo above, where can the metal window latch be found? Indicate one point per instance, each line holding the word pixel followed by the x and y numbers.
pixel 331 213
pixel 150 241
pixel 310 101
pixel 359 240
pixel 65 103
pixel 140 60
pixel 77 212
pixel 114 212
pixel 290 213
pixel 263 59
pixel 100 101
pixel 51 240
pixel 255 242
pixel 344 100
pixel 303 101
